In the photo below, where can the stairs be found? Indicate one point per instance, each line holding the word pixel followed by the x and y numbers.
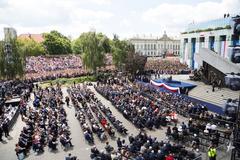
pixel 215 60
pixel 204 92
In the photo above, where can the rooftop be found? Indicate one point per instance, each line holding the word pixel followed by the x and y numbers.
pixel 164 37
pixel 222 23
pixel 36 37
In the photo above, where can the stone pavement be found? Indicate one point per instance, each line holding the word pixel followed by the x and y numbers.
pixel 81 149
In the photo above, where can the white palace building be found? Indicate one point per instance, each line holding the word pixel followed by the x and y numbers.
pixel 156 47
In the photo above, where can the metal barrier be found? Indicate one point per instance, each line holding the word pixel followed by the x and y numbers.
pixel 199 157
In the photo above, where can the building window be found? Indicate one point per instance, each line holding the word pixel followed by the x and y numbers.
pixel 148 46
pixel 154 46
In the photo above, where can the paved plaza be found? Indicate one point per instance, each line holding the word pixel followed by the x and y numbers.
pixel 81 149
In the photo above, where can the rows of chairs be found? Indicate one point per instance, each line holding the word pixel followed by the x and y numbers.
pixel 82 109
pixel 108 113
pixel 138 109
pixel 45 124
pixel 102 111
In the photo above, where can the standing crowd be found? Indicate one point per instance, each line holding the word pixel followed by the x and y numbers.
pixel 161 66
pixel 43 67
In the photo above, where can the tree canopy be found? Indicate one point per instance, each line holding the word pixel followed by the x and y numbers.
pixel 135 63
pixel 11 60
pixel 56 43
pixel 30 47
pixel 78 44
pixel 125 58
pixel 120 50
pixel 93 47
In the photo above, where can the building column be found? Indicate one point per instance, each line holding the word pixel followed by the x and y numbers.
pixel 229 42
pixel 198 44
pixel 217 46
pixel 182 51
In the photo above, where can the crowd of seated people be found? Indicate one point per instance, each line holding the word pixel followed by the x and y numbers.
pixel 181 103
pixel 14 88
pixel 46 122
pixel 90 105
pixel 44 67
pixel 144 147
pixel 147 108
pixel 51 67
pixel 140 110
pixel 212 128
pixel 41 64
pixel 161 66
pixel 8 111
pixel 51 75
pixel 85 115
pixel 116 123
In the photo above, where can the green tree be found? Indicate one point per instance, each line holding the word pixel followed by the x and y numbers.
pixel 93 47
pixel 29 47
pixel 93 51
pixel 78 44
pixel 125 58
pixel 11 60
pixel 135 63
pixel 105 42
pixel 56 43
pixel 120 50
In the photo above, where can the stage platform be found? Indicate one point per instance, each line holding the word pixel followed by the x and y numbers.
pixel 174 83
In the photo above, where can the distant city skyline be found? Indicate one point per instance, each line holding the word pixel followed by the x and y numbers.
pixel 123 17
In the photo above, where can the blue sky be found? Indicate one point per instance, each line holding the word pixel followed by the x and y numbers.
pixel 126 18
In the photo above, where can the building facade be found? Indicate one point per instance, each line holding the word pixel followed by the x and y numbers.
pixel 215 35
pixel 156 47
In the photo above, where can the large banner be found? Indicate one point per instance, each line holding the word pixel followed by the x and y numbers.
pixel 173 89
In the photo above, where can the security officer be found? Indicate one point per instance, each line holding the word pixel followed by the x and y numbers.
pixel 212 153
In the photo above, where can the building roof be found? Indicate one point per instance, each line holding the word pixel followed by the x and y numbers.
pixel 36 37
pixel 163 38
pixel 211 24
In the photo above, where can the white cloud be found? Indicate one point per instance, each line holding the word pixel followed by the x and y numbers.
pixel 72 17
pixel 175 17
pixel 30 16
pixel 125 23
pixel 101 2
pixel 90 14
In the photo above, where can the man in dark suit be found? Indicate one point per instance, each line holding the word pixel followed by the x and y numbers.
pixel 5 128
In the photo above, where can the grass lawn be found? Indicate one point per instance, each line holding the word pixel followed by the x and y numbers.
pixel 68 81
